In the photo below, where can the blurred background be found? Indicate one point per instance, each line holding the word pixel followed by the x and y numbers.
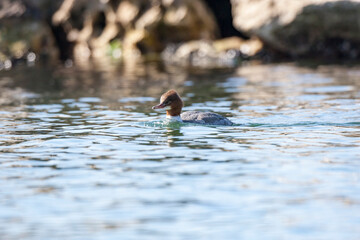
pixel 208 33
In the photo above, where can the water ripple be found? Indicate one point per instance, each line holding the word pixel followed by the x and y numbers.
pixel 81 164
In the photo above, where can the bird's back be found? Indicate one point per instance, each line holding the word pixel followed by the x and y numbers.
pixel 207 118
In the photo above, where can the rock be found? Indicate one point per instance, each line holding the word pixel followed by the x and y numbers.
pixel 207 54
pixel 143 26
pixel 24 34
pixel 248 47
pixel 201 54
pixel 11 9
pixel 188 20
pixel 127 11
pixel 150 19
pixel 302 27
pixel 19 38
pixel 131 39
pixel 109 32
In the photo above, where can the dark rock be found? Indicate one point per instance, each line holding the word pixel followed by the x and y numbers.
pixel 224 19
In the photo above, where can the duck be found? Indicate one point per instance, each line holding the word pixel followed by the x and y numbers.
pixel 173 104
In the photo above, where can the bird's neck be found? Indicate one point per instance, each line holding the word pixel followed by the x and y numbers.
pixel 173 111
pixel 174 118
pixel 173 114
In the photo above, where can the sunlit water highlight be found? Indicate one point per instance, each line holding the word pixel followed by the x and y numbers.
pixel 83 156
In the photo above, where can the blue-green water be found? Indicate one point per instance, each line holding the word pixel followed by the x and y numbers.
pixel 83 155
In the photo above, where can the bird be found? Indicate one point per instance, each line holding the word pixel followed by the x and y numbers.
pixel 173 104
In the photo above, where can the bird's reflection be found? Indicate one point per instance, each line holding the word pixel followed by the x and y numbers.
pixel 174 136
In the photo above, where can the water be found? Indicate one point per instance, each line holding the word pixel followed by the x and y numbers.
pixel 83 155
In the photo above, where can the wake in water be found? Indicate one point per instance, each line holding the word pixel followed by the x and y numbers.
pixel 162 123
pixel 174 124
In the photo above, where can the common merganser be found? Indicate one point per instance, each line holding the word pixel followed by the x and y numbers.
pixel 173 104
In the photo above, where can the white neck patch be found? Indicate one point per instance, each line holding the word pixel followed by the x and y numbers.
pixel 174 118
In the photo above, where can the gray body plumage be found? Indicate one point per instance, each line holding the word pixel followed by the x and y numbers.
pixel 207 118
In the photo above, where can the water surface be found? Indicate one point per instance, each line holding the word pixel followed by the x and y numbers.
pixel 83 155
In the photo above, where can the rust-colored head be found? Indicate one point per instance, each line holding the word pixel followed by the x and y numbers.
pixel 172 102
